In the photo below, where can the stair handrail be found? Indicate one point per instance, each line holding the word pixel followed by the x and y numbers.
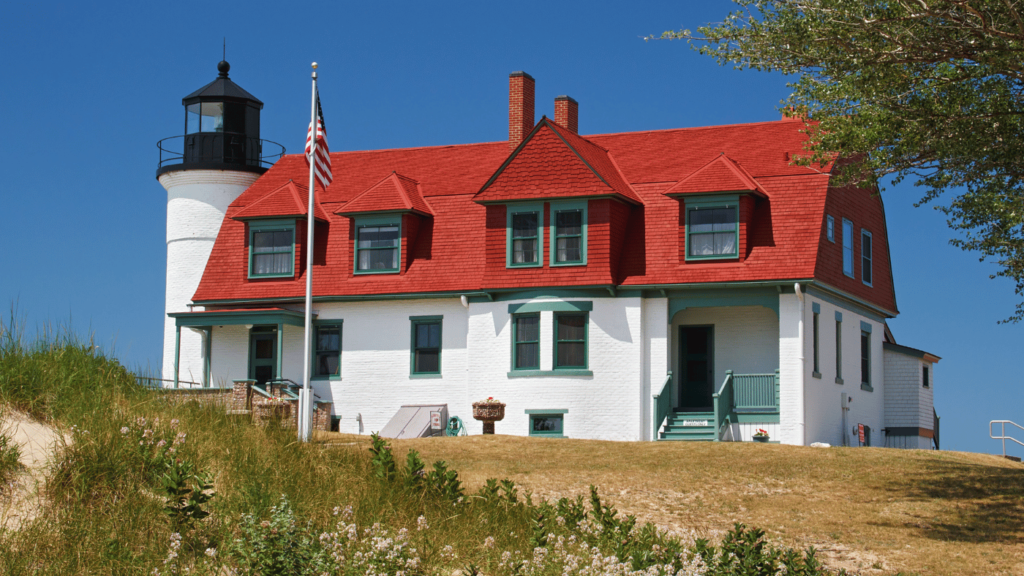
pixel 662 405
pixel 1002 432
pixel 935 428
pixel 723 404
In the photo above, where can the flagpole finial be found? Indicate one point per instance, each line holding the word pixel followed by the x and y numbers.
pixel 314 65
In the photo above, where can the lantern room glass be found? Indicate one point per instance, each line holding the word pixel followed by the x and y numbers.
pixel 204 117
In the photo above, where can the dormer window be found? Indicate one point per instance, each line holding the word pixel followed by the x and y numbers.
pixel 712 229
pixel 272 249
pixel 569 233
pixel 378 244
pixel 525 235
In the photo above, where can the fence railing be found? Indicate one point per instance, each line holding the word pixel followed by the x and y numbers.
pixel 1002 432
pixel 756 392
pixel 662 405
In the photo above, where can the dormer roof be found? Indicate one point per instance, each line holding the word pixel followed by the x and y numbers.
pixel 287 201
pixel 395 193
pixel 722 174
pixel 553 162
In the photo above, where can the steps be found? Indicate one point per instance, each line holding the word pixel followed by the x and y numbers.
pixel 690 427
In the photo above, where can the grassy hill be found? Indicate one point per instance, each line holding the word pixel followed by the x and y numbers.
pixel 146 484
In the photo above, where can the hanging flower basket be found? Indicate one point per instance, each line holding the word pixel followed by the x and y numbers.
pixel 489 410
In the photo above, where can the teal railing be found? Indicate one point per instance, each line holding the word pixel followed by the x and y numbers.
pixel 723 400
pixel 756 392
pixel 662 405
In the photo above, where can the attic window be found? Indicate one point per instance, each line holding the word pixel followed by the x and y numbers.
pixel 712 229
pixel 378 245
pixel 568 233
pixel 272 249
pixel 525 235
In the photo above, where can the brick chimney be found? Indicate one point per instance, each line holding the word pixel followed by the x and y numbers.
pixel 567 113
pixel 520 107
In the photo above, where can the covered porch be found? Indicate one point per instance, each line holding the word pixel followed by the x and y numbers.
pixel 723 381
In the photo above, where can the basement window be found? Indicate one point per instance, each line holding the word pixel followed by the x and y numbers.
pixel 547 423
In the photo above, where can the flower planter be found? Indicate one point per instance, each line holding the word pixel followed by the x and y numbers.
pixel 488 413
pixel 761 439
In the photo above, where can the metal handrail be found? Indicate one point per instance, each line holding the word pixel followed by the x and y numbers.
pixel 1002 433
pixel 173 152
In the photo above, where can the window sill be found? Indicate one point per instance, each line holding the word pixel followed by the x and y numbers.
pixel 325 378
pixel 816 375
pixel 271 276
pixel 839 380
pixel 565 264
pixel 540 373
pixel 537 265
pixel 867 387
pixel 547 436
pixel 370 272
pixel 424 376
pixel 712 258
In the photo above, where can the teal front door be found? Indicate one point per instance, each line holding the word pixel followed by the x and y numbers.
pixel 696 368
pixel 262 357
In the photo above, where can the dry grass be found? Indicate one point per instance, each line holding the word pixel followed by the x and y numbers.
pixel 870 510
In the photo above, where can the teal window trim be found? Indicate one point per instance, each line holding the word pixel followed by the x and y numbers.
pixel 865 358
pixel 516 342
pixel 414 322
pixel 513 209
pixel 865 326
pixel 839 348
pixel 867 275
pixel 567 206
pixel 552 306
pixel 542 373
pixel 314 349
pixel 552 414
pixel 817 344
pixel 848 265
pixel 830 229
pixel 585 341
pixel 270 226
pixel 722 202
pixel 360 222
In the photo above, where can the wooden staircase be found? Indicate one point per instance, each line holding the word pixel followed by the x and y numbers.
pixel 690 427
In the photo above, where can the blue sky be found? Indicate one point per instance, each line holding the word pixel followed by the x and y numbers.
pixel 89 88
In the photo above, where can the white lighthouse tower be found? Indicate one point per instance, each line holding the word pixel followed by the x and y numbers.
pixel 219 156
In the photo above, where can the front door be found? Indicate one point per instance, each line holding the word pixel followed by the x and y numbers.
pixel 696 368
pixel 262 357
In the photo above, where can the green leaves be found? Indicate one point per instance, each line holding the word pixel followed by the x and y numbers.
pixel 931 91
pixel 186 492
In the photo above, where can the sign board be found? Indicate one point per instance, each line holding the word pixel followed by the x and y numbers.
pixel 695 422
pixel 435 421
pixel 860 432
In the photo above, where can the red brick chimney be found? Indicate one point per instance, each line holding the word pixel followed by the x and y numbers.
pixel 520 107
pixel 567 113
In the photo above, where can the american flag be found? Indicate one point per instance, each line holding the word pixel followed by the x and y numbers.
pixel 322 165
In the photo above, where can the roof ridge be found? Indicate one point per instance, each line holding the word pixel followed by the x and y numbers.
pixel 686 128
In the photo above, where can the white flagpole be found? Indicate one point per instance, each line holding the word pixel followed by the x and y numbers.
pixel 305 419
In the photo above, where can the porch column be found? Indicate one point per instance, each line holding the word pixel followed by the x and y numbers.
pixel 280 350
pixel 177 351
pixel 207 351
pixel 791 367
pixel 656 358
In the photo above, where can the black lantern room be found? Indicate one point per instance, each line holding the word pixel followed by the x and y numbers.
pixel 222 131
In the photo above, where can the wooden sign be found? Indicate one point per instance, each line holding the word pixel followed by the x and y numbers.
pixel 860 432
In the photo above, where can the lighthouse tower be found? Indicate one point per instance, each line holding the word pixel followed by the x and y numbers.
pixel 204 170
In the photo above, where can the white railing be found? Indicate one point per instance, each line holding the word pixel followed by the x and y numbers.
pixel 1002 433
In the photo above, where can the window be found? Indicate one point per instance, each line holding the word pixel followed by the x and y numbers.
pixel 271 249
pixel 925 379
pixel 712 230
pixel 525 235
pixel 839 348
pixel 814 325
pixel 378 245
pixel 865 360
pixel 568 233
pixel 426 345
pixel 830 228
pixel 865 257
pixel 547 423
pixel 847 247
pixel 570 340
pixel 327 351
pixel 526 342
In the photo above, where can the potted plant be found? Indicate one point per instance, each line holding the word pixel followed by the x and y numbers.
pixel 489 411
pixel 761 435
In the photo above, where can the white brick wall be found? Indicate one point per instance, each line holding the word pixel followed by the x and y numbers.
pixel 791 395
pixel 196 203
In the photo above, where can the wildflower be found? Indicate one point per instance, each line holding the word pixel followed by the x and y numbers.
pixel 180 438
pixel 421 524
pixel 174 423
pixel 210 552
pixel 489 542
pixel 161 443
pixel 124 429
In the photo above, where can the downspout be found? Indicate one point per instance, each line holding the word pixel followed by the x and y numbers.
pixel 801 413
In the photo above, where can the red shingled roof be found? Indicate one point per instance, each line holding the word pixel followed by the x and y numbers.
pixel 450 254
pixel 395 193
pixel 289 200
pixel 552 162
pixel 720 175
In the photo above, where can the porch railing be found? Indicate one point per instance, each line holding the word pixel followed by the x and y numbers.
pixel 662 405
pixel 745 394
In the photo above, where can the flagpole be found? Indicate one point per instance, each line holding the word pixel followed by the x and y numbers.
pixel 305 414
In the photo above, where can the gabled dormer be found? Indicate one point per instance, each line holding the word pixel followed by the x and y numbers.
pixel 385 220
pixel 275 232
pixel 716 208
